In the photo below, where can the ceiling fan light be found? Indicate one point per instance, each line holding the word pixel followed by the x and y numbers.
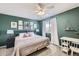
pixel 41 13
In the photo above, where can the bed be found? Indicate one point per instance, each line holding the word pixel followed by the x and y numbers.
pixel 27 45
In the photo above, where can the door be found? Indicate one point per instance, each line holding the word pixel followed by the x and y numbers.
pixel 53 30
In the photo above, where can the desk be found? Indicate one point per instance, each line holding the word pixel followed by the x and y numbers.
pixel 75 40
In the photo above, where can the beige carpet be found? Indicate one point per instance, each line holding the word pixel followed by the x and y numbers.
pixel 51 50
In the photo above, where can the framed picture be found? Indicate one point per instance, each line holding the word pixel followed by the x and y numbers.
pixel 35 26
pixel 26 25
pixel 13 24
pixel 20 22
pixel 20 27
pixel 31 23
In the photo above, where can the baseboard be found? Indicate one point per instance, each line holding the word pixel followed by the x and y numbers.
pixel 56 45
pixel 3 46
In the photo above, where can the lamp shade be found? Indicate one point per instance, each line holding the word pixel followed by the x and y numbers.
pixel 37 30
pixel 10 32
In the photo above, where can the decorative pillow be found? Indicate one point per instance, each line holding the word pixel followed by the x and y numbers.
pixel 26 35
pixel 31 33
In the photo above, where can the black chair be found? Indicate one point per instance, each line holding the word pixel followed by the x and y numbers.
pixel 10 42
pixel 48 35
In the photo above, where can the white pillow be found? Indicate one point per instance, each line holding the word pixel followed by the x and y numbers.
pixel 21 34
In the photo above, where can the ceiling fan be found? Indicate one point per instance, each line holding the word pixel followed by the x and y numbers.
pixel 41 8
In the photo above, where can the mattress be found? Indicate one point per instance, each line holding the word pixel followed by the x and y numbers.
pixel 27 45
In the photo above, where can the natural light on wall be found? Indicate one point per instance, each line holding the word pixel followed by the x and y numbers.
pixel 47 26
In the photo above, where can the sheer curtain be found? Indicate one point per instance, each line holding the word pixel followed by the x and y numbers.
pixel 50 26
pixel 46 27
pixel 53 30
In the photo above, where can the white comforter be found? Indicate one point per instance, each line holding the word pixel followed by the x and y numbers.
pixel 28 42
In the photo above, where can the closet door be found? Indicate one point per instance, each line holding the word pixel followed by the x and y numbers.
pixel 53 30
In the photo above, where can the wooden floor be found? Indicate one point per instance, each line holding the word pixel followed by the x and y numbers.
pixel 50 50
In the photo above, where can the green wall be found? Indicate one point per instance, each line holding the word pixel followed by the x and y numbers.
pixel 69 18
pixel 5 21
pixel 40 27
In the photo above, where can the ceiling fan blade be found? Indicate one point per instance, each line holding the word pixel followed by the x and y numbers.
pixel 41 5
pixel 50 7
pixel 38 7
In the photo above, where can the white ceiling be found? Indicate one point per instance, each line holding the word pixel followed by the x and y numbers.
pixel 27 10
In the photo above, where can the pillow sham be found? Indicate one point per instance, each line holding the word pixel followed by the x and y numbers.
pixel 21 34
